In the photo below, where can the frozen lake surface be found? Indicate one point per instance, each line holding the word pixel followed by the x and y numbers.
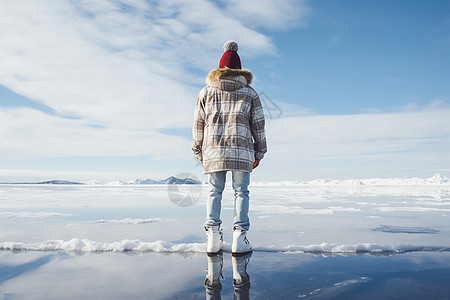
pixel 133 241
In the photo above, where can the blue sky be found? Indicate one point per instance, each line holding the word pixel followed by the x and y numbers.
pixel 106 89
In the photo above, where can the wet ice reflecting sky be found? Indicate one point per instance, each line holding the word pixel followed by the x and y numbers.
pixel 61 275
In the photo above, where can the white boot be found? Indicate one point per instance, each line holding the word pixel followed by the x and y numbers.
pixel 215 239
pixel 240 243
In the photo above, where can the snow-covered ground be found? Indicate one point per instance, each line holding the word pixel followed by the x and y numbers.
pixel 322 216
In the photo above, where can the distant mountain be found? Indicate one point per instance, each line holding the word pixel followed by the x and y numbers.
pixel 56 182
pixel 175 180
pixel 145 181
pixel 435 180
pixel 170 180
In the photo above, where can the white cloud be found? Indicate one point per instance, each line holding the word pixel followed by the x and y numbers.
pixel 58 58
pixel 379 144
pixel 335 39
pixel 271 14
pixel 28 133
pixel 116 73
pixel 118 64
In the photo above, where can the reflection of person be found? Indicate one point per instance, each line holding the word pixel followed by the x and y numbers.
pixel 212 281
pixel 229 135
pixel 241 279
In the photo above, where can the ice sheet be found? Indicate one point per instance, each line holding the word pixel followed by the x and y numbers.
pixel 327 219
pixel 134 241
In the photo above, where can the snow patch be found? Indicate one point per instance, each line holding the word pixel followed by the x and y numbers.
pixel 40 214
pixel 280 209
pixel 85 245
pixel 411 209
pixel 435 180
pixel 130 221
pixel 410 230
pixel 355 248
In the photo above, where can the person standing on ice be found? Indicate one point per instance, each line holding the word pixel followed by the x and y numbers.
pixel 229 135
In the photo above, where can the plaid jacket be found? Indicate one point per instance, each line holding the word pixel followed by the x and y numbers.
pixel 229 122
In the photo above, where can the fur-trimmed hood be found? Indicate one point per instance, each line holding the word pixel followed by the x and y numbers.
pixel 227 73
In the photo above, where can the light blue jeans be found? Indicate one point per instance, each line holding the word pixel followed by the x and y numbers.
pixel 240 182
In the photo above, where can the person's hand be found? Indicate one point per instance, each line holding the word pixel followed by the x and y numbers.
pixel 201 162
pixel 256 163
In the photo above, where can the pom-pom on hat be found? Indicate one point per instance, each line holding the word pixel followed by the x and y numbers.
pixel 230 58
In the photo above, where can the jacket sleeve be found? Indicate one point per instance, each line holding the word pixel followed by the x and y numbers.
pixel 257 123
pixel 199 125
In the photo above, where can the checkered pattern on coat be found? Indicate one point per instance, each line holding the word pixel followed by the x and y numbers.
pixel 228 129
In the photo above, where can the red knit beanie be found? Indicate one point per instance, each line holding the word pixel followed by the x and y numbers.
pixel 230 58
